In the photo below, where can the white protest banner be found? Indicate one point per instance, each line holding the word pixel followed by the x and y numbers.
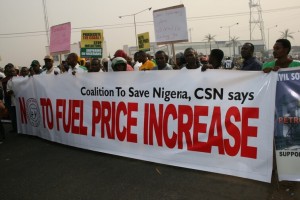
pixel 287 125
pixel 218 121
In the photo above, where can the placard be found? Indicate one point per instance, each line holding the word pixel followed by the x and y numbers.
pixel 170 25
pixel 60 38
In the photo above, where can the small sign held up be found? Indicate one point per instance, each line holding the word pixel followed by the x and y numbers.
pixel 170 25
pixel 144 41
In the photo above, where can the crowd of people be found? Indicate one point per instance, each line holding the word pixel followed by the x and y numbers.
pixel 187 60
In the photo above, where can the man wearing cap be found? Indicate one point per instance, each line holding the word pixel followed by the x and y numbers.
pixel 35 68
pixel 50 69
pixel 123 54
pixel 74 68
pixel 119 64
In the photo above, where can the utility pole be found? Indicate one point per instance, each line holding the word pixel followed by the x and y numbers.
pixel 256 22
pixel 46 21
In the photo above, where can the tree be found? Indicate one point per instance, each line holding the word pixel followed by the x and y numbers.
pixel 234 42
pixel 209 38
pixel 287 34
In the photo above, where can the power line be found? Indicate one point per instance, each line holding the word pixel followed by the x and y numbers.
pixel 146 23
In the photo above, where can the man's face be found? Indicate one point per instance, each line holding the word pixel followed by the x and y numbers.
pixel 279 51
pixel 190 56
pixel 142 58
pixel 11 71
pixel 120 67
pixel 48 63
pixel 71 60
pixel 36 69
pixel 95 66
pixel 246 51
pixel 160 59
pixel 24 71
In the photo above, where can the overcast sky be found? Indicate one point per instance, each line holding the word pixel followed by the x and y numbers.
pixel 203 17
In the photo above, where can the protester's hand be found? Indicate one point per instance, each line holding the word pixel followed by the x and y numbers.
pixel 269 69
pixel 276 68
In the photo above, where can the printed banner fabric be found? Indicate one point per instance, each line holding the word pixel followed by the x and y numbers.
pixel 217 121
pixel 287 125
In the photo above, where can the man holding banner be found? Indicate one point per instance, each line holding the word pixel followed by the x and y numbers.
pixel 74 68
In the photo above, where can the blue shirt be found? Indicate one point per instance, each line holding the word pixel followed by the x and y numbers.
pixel 251 64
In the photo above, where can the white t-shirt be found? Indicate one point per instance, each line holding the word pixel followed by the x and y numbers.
pixel 52 70
pixel 136 66
pixel 76 69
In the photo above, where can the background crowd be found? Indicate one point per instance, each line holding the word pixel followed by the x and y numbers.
pixel 187 60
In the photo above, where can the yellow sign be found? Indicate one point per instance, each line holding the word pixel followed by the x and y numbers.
pixel 144 41
pixel 91 38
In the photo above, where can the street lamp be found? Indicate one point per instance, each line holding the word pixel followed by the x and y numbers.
pixel 190 30
pixel 269 35
pixel 229 34
pixel 134 14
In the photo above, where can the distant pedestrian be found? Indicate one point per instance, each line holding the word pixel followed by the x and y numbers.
pixel 228 64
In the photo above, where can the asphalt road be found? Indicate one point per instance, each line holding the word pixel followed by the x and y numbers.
pixel 35 169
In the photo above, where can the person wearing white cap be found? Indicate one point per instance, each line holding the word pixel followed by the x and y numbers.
pixel 119 64
pixel 50 69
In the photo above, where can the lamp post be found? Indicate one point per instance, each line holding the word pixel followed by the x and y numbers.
pixel 134 14
pixel 269 36
pixel 229 34
pixel 190 30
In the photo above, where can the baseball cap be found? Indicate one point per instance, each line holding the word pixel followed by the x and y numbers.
pixel 48 57
pixel 118 60
pixel 34 62
pixel 120 53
